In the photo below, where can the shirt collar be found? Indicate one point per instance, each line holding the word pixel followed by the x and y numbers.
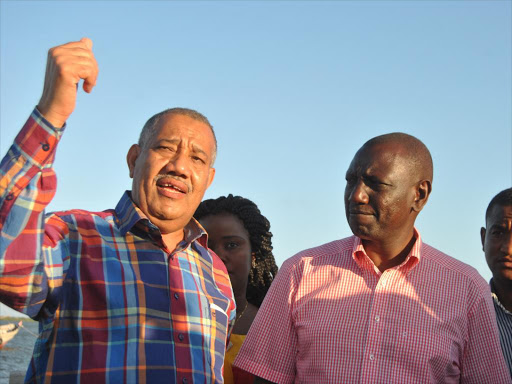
pixel 129 216
pixel 364 262
pixel 495 298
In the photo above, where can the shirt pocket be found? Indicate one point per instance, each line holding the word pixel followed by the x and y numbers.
pixel 219 323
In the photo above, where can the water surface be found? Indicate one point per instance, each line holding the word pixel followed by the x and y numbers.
pixel 15 356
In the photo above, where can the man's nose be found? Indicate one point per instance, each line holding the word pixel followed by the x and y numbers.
pixel 178 165
pixel 358 193
pixel 506 246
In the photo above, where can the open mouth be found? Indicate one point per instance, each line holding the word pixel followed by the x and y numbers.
pixel 171 187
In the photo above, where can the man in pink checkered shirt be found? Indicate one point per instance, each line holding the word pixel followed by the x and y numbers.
pixel 380 306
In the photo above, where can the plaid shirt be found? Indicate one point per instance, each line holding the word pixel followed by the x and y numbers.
pixel 114 304
pixel 331 316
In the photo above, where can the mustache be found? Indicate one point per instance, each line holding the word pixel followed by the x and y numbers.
pixel 177 178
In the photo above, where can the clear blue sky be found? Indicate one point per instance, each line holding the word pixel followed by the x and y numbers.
pixel 293 89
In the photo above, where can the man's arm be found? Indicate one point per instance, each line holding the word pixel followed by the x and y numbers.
pixel 31 255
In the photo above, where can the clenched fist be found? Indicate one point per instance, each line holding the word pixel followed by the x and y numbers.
pixel 67 64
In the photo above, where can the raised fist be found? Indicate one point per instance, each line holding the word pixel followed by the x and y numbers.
pixel 66 65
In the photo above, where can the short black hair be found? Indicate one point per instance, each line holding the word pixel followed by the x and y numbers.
pixel 502 199
pixel 264 268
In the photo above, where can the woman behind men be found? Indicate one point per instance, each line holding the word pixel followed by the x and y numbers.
pixel 240 235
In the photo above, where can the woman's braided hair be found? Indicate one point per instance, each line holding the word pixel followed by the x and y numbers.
pixel 264 268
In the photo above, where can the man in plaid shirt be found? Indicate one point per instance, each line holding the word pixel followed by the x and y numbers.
pixel 127 295
pixel 380 306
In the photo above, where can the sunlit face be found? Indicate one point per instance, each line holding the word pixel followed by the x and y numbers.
pixel 229 239
pixel 379 194
pixel 171 174
pixel 497 242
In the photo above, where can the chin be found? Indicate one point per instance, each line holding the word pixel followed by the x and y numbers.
pixel 505 275
pixel 359 231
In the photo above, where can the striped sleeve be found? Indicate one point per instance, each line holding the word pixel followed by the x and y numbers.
pixel 504 319
pixel 27 185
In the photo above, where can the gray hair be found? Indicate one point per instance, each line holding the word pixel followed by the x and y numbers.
pixel 149 128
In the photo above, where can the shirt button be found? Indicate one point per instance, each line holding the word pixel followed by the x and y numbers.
pixel 10 196
pixel 184 380
pixel 181 337
pixel 377 318
pixel 176 296
pixel 46 147
pixel 372 357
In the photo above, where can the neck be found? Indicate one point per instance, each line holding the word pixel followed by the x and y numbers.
pixel 171 240
pixel 389 254
pixel 240 298
pixel 503 290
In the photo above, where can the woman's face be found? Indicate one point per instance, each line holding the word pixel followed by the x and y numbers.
pixel 229 239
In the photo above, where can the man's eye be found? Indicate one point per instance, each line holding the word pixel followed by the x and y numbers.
pixel 371 181
pixel 165 148
pixel 497 232
pixel 198 159
pixel 374 183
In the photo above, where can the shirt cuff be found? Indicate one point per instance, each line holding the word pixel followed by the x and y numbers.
pixel 37 114
pixel 37 140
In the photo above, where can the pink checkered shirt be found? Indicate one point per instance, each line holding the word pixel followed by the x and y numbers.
pixel 332 317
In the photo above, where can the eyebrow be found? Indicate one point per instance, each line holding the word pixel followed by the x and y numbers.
pixel 232 236
pixel 170 141
pixel 375 179
pixel 499 225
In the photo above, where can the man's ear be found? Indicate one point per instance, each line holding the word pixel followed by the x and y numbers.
pixel 423 189
pixel 131 158
pixel 482 237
